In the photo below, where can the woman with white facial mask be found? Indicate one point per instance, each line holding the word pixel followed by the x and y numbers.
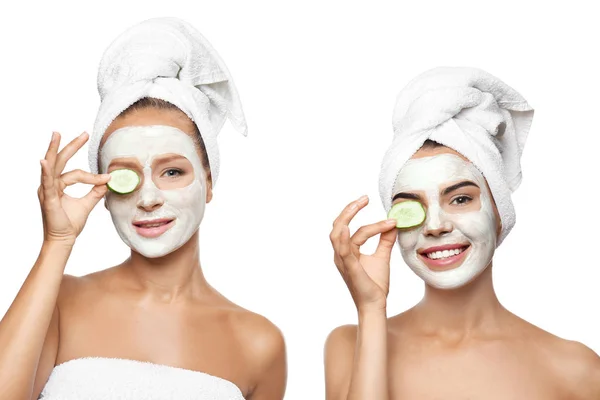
pixel 151 327
pixel 459 135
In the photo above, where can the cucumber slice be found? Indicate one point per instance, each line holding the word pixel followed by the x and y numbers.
pixel 408 214
pixel 123 181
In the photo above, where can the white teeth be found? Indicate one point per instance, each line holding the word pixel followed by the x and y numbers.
pixel 436 255
pixel 151 225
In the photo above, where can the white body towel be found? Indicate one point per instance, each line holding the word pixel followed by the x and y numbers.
pixel 119 379
pixel 169 59
pixel 472 112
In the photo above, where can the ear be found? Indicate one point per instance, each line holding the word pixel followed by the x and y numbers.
pixel 498 220
pixel 208 192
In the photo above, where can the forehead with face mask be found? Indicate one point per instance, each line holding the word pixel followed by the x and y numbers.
pixel 159 216
pixel 487 122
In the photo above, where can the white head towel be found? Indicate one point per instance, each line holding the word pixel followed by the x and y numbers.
pixel 169 59
pixel 472 112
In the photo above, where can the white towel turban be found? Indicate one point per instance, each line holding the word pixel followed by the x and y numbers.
pixel 168 59
pixel 472 112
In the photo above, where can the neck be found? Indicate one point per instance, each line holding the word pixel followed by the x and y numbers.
pixel 172 277
pixel 470 308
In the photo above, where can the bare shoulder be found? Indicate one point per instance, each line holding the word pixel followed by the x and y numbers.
pixel 342 336
pixel 261 339
pixel 574 367
pixel 80 289
pixel 340 344
pixel 578 367
pixel 72 285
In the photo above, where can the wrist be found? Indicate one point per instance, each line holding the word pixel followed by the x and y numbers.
pixel 372 310
pixel 62 244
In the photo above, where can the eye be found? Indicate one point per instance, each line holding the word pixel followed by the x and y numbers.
pixel 172 173
pixel 461 200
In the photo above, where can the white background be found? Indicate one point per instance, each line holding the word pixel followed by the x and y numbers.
pixel 318 83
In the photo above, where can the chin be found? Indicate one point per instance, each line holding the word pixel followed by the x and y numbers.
pixel 450 279
pixel 449 284
pixel 148 252
pixel 151 248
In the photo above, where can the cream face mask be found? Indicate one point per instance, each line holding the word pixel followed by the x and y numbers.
pixel 453 245
pixel 166 208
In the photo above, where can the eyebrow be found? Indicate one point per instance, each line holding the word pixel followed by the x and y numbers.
pixel 449 189
pixel 457 186
pixel 410 196
pixel 124 163
pixel 172 157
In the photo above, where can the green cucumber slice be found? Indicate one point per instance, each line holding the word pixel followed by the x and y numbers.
pixel 123 181
pixel 407 214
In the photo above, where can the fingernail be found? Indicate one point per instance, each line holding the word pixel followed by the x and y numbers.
pixel 363 198
pixel 53 135
pixel 391 222
pixel 83 134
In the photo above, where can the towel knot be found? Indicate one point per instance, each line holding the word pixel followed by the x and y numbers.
pixel 436 106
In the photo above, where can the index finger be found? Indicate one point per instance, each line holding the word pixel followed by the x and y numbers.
pixel 350 211
pixel 68 151
pixel 50 156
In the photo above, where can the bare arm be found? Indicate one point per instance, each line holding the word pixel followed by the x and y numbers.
pixel 29 330
pixel 593 377
pixel 356 358
pixel 339 361
pixel 24 328
pixel 48 356
pixel 271 363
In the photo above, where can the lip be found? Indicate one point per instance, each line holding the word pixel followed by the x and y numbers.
pixel 446 263
pixel 155 231
pixel 444 247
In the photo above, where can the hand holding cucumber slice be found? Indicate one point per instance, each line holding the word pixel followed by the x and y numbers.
pixel 123 181
pixel 407 214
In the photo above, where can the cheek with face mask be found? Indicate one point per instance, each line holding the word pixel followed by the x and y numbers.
pixel 449 249
pixel 151 221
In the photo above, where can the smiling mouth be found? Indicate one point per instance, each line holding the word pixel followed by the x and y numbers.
pixel 444 257
pixel 441 254
pixel 153 228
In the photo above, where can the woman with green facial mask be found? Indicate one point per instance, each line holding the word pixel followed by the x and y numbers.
pixel 151 327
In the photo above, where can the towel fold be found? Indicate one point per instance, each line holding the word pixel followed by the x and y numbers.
pixel 472 112
pixel 169 59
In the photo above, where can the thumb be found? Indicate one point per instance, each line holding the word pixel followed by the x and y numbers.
pixel 93 197
pixel 386 243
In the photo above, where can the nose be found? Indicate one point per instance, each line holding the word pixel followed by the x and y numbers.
pixel 436 224
pixel 150 198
